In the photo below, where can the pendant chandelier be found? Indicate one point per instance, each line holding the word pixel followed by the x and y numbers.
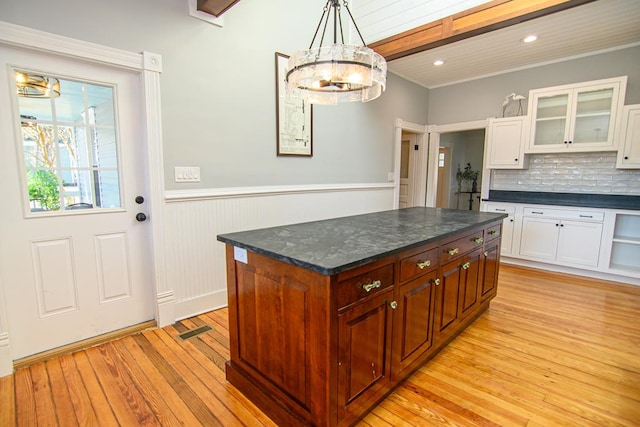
pixel 34 86
pixel 337 72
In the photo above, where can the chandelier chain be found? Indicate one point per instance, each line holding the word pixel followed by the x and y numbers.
pixel 324 12
pixel 346 6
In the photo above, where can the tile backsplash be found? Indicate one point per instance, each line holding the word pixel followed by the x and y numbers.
pixel 570 173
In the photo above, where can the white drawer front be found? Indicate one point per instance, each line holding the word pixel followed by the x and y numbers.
pixel 488 207
pixel 564 214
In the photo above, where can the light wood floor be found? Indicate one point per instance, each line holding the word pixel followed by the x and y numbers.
pixel 552 350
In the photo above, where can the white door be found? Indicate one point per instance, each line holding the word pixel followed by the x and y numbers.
pixel 407 170
pixel 74 258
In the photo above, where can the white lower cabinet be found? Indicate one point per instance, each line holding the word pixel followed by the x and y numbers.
pixel 579 242
pixel 539 238
pixel 605 241
pixel 508 225
pixel 550 235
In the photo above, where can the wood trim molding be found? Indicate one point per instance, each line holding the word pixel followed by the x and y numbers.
pixel 215 7
pixel 482 19
pixel 82 345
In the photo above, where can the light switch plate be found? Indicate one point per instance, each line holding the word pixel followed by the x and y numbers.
pixel 187 174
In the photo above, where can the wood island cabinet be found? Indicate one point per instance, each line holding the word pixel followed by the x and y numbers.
pixel 317 349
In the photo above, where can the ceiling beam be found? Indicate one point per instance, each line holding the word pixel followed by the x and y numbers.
pixel 215 7
pixel 482 19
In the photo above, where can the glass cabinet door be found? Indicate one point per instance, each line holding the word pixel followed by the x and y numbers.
pixel 551 119
pixel 593 116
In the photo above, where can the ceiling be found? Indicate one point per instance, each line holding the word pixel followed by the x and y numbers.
pixel 583 30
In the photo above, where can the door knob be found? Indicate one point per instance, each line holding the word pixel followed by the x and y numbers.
pixel 139 200
pixel 140 217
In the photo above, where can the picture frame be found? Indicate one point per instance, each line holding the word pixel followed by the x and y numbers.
pixel 294 117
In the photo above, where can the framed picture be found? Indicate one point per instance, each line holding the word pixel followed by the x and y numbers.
pixel 293 117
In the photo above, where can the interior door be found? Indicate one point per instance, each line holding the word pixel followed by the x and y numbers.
pixel 407 170
pixel 74 246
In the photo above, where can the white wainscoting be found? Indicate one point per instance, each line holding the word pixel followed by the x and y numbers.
pixel 195 260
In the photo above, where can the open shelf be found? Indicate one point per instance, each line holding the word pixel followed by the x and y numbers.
pixel 625 249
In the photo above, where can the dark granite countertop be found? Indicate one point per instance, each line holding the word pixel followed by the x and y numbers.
pixel 603 201
pixel 336 245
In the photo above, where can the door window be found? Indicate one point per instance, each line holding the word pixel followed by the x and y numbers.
pixel 69 143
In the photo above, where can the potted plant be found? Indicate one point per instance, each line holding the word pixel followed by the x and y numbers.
pixel 470 175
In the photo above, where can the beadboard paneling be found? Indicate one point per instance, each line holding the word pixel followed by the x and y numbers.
pixel 195 263
pixel 378 19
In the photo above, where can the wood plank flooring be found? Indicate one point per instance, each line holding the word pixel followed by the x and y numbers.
pixel 553 350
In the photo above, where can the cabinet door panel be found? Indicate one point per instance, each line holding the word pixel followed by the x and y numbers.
pixel 413 322
pixel 490 270
pixel 470 278
pixel 629 154
pixel 506 139
pixel 593 115
pixel 579 242
pixel 539 237
pixel 551 124
pixel 364 342
pixel 507 235
pixel 447 298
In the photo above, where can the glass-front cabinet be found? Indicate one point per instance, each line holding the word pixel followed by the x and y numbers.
pixel 577 117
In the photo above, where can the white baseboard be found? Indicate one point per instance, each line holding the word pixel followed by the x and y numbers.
pixel 6 361
pixel 569 270
pixel 165 314
pixel 201 304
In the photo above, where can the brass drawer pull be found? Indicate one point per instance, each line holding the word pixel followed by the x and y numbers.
pixel 486 253
pixel 466 265
pixel 422 265
pixel 453 251
pixel 493 233
pixel 370 286
pixel 478 240
pixel 393 305
pixel 436 282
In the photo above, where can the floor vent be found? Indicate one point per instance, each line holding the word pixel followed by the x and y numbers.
pixel 195 332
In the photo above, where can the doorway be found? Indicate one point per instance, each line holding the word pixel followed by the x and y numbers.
pixel 408 167
pixel 454 148
pixel 457 189
pixel 409 164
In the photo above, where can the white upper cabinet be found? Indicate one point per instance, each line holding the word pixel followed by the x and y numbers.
pixel 629 153
pixel 576 117
pixel 506 141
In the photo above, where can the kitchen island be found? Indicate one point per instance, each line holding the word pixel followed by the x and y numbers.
pixel 327 317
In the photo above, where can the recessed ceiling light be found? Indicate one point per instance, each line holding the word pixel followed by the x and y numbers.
pixel 530 39
pixel 438 62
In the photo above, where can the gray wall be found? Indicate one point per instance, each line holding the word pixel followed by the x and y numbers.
pixel 218 89
pixel 479 99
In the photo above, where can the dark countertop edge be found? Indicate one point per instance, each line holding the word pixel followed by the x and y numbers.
pixel 327 271
pixel 585 200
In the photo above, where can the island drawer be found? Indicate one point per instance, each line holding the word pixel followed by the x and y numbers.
pixel 462 245
pixel 364 284
pixel 418 264
pixel 492 232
